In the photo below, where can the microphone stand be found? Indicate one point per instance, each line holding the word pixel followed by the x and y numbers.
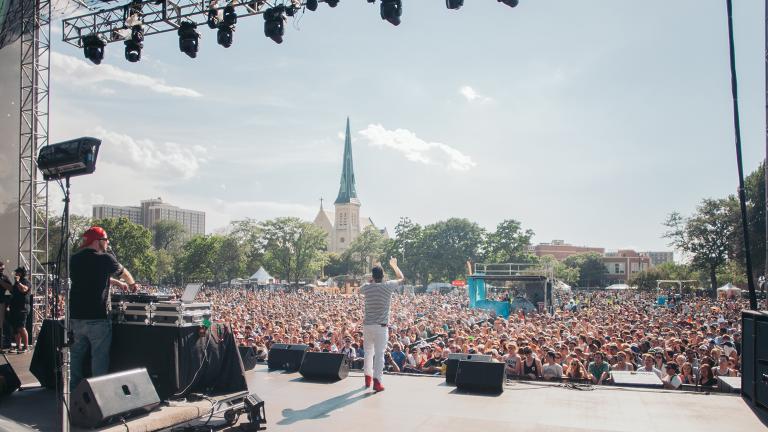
pixel 65 359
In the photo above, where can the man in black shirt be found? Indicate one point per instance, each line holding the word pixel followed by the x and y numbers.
pixel 92 270
pixel 19 309
pixel 6 290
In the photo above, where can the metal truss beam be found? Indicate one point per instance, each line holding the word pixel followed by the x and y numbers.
pixel 33 133
pixel 156 18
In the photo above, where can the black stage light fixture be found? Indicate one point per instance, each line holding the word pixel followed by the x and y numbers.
pixel 274 28
pixel 510 3
pixel 312 5
pixel 93 48
pixel 230 16
pixel 224 35
pixel 69 158
pixel 454 4
pixel 332 3
pixel 213 18
pixel 392 10
pixel 291 10
pixel 133 50
pixel 188 38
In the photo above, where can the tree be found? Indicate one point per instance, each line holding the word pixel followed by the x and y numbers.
pixel 591 269
pixel 77 226
pixel 196 261
pixel 508 244
pixel 336 265
pixel 248 234
pixel 446 246
pixel 408 248
pixel 647 279
pixel 164 267
pixel 569 275
pixel 229 259
pixel 132 245
pixel 706 236
pixel 366 249
pixel 167 234
pixel 293 248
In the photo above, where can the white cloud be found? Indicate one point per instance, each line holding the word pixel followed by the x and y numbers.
pixel 416 149
pixel 163 160
pixel 78 72
pixel 472 95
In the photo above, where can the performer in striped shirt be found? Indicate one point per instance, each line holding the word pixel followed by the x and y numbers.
pixel 378 295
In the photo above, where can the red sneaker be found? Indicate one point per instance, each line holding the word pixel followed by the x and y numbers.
pixel 377 387
pixel 367 381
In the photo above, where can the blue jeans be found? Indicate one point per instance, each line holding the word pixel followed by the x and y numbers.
pixel 95 335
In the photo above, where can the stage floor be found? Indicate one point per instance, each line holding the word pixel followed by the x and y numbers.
pixel 427 404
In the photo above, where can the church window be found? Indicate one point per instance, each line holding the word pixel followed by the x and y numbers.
pixel 341 240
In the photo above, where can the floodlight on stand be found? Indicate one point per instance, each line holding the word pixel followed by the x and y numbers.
pixel 93 48
pixel 454 4
pixel 312 5
pixel 230 16
pixel 274 28
pixel 188 38
pixel 392 10
pixel 213 18
pixel 510 3
pixel 332 3
pixel 224 35
pixel 69 158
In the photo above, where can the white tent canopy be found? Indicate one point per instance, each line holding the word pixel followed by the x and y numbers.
pixel 618 287
pixel 729 287
pixel 261 276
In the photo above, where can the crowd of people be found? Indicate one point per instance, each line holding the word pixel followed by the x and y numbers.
pixel 688 342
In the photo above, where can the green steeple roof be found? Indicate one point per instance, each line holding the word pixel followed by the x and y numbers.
pixel 347 192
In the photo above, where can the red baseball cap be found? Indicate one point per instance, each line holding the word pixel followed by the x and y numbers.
pixel 93 234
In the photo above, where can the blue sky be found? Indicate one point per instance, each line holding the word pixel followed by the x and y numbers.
pixel 587 121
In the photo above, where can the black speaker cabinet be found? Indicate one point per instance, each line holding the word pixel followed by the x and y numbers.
pixel 9 381
pixel 286 356
pixel 45 357
pixel 248 355
pixel 322 366
pixel 99 400
pixel 452 363
pixel 481 377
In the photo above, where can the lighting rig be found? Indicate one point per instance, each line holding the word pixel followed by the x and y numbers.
pixel 133 22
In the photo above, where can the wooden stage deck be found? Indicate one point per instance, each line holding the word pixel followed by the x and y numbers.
pixel 427 404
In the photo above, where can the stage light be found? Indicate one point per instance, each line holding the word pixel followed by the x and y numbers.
pixel 292 10
pixel 312 5
pixel 510 3
pixel 332 3
pixel 224 35
pixel 230 16
pixel 454 4
pixel 188 38
pixel 93 48
pixel 213 18
pixel 134 45
pixel 274 27
pixel 392 10
pixel 69 158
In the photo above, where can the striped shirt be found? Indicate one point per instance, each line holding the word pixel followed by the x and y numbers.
pixel 378 298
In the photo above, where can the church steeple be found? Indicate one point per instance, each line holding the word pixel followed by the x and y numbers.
pixel 347 192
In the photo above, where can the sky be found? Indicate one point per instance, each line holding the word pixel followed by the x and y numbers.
pixel 586 121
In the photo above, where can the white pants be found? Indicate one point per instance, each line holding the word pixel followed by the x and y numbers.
pixel 374 343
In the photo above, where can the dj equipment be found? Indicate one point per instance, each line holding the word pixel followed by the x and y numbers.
pixel 482 377
pixel 140 297
pixel 324 366
pixel 99 400
pixel 69 158
pixel 452 363
pixel 286 356
pixel 9 381
pixel 178 314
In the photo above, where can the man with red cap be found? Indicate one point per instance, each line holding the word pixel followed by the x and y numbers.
pixel 92 270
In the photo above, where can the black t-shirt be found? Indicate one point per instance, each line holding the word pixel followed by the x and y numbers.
pixel 20 301
pixel 90 271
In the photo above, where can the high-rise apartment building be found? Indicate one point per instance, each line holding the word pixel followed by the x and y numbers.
pixel 152 211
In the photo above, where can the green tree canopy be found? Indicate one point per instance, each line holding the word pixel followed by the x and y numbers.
pixel 591 269
pixel 293 248
pixel 446 246
pixel 168 234
pixel 508 244
pixel 366 249
pixel 132 245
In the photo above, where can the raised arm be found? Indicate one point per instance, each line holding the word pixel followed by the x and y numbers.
pixel 398 274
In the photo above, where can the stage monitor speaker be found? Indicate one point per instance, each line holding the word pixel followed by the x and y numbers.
pixel 44 359
pixel 323 366
pixel 748 362
pixel 9 381
pixel 761 360
pixel 286 356
pixel 97 401
pixel 481 377
pixel 452 363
